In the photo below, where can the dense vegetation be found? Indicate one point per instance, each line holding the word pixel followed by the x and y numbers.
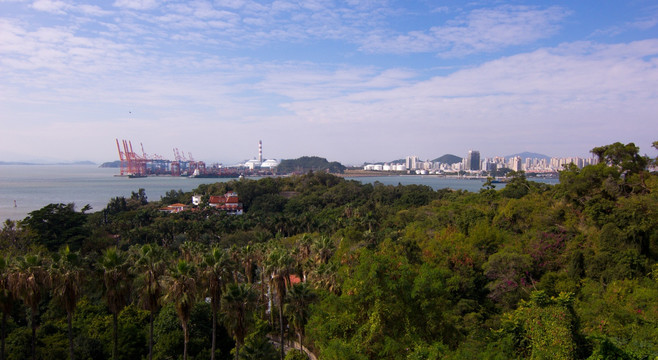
pixel 388 272
pixel 305 164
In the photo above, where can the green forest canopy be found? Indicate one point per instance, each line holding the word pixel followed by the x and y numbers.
pixel 305 164
pixel 354 271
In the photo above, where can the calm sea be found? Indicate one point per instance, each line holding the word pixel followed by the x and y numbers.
pixel 35 186
pixel 25 188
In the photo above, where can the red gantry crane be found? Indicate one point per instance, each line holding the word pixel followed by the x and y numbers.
pixel 139 165
pixel 131 163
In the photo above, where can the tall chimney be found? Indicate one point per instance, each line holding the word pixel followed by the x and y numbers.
pixel 260 151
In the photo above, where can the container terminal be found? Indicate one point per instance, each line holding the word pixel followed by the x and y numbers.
pixel 136 165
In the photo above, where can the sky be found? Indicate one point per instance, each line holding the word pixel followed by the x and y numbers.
pixel 353 81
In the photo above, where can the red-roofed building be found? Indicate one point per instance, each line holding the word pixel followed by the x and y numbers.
pixel 175 208
pixel 229 202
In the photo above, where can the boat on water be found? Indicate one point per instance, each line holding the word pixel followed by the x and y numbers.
pixel 228 175
pixel 134 176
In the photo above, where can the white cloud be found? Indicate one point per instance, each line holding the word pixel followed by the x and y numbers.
pixel 52 6
pixel 136 4
pixel 181 63
pixel 603 92
pixel 92 10
pixel 481 30
pixel 647 21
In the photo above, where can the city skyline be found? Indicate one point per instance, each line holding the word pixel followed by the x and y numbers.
pixel 349 81
pixel 472 162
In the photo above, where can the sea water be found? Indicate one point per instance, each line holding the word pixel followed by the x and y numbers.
pixel 25 188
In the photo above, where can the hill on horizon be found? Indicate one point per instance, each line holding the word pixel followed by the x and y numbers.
pixel 46 163
pixel 309 163
pixel 448 159
pixel 445 159
pixel 531 155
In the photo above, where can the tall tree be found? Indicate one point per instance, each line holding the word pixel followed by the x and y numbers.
pixel 28 281
pixel 216 270
pixel 66 278
pixel 114 264
pixel 182 291
pixel 6 300
pixel 279 265
pixel 57 224
pixel 626 158
pixel 237 302
pixel 299 298
pixel 149 267
pixel 248 259
pixel 323 248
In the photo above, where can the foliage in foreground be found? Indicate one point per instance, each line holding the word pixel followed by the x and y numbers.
pixel 348 270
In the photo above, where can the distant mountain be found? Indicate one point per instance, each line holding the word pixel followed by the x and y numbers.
pixel 111 164
pixel 531 155
pixel 78 163
pixel 309 163
pixel 445 159
pixel 448 159
pixel 47 163
pixel 15 163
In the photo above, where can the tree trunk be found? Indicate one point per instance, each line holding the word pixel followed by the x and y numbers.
pixel 115 335
pixel 270 304
pixel 4 332
pixel 185 338
pixel 34 334
pixel 214 333
pixel 151 336
pixel 237 350
pixel 300 341
pixel 283 353
pixel 69 320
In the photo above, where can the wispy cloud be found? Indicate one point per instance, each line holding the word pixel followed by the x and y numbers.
pixel 52 6
pixel 648 21
pixel 196 69
pixel 480 30
pixel 561 92
pixel 136 4
pixel 244 24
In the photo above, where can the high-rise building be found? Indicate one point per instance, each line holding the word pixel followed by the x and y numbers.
pixel 473 160
pixel 412 162
pixel 515 163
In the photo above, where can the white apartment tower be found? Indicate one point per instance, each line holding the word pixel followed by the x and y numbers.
pixel 473 160
pixel 412 162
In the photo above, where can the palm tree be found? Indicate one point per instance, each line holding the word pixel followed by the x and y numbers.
pixel 28 281
pixel 66 278
pixel 258 256
pixel 6 300
pixel 192 251
pixel 182 291
pixel 279 265
pixel 323 248
pixel 305 246
pixel 116 278
pixel 235 253
pixel 237 301
pixel 149 267
pixel 299 297
pixel 248 259
pixel 216 273
pixel 324 277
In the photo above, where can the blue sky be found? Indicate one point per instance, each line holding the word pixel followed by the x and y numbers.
pixel 352 81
